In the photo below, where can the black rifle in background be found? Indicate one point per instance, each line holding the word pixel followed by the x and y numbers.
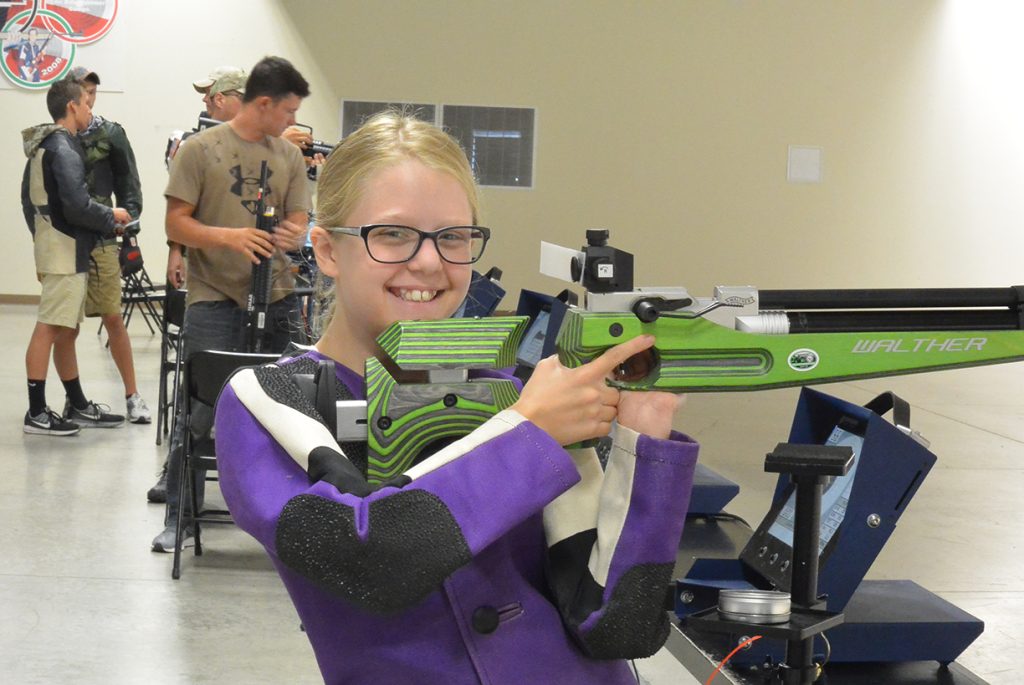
pixel 311 150
pixel 259 295
pixel 315 146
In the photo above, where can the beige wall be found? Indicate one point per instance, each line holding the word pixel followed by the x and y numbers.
pixel 170 45
pixel 667 122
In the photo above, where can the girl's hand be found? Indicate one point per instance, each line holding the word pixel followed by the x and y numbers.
pixel 572 405
pixel 650 413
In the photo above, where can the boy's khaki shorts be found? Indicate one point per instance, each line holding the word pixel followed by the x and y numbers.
pixel 62 302
pixel 103 296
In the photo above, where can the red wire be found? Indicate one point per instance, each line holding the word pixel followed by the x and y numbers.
pixel 731 655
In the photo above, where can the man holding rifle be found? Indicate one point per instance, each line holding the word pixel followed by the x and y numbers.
pixel 222 90
pixel 212 198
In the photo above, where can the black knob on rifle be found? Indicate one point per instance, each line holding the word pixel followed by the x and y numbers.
pixel 575 270
pixel 648 309
pixel 597 237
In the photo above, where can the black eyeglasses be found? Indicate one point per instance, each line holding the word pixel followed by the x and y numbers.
pixel 390 244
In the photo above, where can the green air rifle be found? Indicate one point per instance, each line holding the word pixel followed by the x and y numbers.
pixel 746 339
pixel 420 396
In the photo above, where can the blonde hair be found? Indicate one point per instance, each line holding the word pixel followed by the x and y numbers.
pixel 384 140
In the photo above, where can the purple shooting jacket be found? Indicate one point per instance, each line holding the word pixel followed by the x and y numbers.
pixel 502 559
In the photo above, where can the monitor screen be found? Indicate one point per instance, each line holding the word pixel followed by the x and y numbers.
pixel 769 551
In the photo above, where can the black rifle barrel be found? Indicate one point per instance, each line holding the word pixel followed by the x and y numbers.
pixel 259 295
pixel 892 298
pixel 922 320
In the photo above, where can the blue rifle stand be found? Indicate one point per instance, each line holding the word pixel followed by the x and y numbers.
pixel 893 631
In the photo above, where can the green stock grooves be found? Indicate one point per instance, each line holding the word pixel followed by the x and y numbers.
pixel 403 419
pixel 485 343
pixel 695 355
pixel 406 418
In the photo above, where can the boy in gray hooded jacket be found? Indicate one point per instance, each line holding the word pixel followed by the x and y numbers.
pixel 65 223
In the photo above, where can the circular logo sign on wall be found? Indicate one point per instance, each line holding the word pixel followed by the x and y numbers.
pixel 39 40
pixel 34 56
pixel 89 20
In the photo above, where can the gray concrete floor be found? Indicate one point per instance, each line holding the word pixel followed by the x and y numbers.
pixel 85 601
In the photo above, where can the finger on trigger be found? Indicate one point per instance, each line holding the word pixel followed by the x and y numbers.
pixel 614 356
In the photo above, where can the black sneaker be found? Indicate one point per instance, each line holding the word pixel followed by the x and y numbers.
pixel 93 416
pixel 49 422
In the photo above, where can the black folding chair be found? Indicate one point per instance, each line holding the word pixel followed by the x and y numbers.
pixel 204 375
pixel 170 361
pixel 138 292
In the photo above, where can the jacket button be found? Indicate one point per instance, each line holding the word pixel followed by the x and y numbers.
pixel 485 619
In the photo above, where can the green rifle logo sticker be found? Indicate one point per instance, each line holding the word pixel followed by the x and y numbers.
pixel 803 359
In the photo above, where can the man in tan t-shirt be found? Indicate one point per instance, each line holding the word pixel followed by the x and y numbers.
pixel 222 90
pixel 211 202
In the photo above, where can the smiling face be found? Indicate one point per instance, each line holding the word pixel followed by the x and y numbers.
pixel 370 295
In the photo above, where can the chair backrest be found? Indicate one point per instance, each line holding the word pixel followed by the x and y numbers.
pixel 174 307
pixel 207 371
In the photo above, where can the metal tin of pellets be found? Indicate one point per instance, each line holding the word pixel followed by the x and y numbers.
pixel 754 606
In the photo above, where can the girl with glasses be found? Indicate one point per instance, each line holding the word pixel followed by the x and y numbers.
pixel 505 558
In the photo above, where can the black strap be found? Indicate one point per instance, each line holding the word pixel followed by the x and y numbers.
pixel 318 383
pixel 325 382
pixel 889 400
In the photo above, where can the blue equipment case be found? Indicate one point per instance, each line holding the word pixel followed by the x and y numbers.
pixel 711 492
pixel 885 621
pixel 485 293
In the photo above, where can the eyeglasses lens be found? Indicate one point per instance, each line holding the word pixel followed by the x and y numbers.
pixel 394 244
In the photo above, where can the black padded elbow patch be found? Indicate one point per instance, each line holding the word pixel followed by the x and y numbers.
pixel 413 545
pixel 635 623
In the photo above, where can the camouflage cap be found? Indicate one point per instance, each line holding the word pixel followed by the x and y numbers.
pixel 222 79
pixel 82 74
